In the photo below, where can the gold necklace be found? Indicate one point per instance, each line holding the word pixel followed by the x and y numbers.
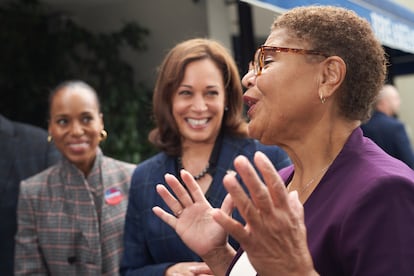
pixel 305 188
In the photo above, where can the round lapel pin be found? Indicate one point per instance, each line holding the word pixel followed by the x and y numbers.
pixel 113 196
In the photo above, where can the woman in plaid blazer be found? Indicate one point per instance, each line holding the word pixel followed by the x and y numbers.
pixel 71 216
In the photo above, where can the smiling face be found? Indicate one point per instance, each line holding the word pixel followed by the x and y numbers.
pixel 75 125
pixel 283 100
pixel 198 103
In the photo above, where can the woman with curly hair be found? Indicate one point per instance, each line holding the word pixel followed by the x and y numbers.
pixel 344 207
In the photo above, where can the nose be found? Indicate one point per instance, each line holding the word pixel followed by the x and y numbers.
pixel 199 104
pixel 77 129
pixel 249 79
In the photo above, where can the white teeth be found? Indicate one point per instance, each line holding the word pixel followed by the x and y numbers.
pixel 79 145
pixel 195 122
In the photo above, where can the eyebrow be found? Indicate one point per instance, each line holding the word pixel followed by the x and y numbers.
pixel 208 86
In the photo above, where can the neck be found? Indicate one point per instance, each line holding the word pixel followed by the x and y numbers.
pixel 200 158
pixel 313 152
pixel 199 175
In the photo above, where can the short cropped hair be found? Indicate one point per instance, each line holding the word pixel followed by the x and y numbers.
pixel 340 32
pixel 73 83
pixel 166 136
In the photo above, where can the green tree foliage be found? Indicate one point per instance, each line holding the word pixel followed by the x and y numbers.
pixel 41 47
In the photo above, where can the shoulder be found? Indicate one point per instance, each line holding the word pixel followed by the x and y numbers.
pixel 384 119
pixel 391 122
pixel 110 162
pixel 154 167
pixel 379 195
pixel 248 146
pixel 362 164
pixel 244 144
pixel 40 181
pixel 233 146
pixel 25 130
pixel 25 135
pixel 154 162
pixel 156 159
pixel 6 126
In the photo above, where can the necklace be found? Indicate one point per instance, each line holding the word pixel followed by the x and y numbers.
pixel 305 188
pixel 198 176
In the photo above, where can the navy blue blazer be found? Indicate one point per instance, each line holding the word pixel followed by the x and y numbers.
pixel 389 133
pixel 24 151
pixel 150 245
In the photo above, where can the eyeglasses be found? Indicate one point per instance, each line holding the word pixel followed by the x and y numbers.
pixel 259 56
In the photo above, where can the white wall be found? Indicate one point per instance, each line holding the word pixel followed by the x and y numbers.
pixel 169 22
pixel 405 85
pixel 409 4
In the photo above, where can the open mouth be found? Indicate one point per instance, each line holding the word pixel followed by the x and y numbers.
pixel 197 122
pixel 79 146
pixel 249 101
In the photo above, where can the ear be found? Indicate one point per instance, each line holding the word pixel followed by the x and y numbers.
pixel 333 75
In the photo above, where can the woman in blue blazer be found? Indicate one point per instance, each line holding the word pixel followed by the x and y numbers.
pixel 198 111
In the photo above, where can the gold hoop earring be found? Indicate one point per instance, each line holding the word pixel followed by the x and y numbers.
pixel 49 138
pixel 104 135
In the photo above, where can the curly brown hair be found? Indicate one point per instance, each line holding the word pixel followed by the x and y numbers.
pixel 166 136
pixel 340 32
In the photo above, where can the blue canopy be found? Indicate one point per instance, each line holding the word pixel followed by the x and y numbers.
pixel 393 24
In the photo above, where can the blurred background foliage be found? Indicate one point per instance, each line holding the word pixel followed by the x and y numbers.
pixel 41 47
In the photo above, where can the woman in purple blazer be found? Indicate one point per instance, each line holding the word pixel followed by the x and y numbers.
pixel 344 207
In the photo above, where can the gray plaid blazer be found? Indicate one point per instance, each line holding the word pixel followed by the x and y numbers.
pixel 69 225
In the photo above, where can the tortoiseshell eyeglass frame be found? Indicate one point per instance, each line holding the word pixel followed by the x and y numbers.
pixel 258 62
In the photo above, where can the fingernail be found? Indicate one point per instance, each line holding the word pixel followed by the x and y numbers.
pixel 234 173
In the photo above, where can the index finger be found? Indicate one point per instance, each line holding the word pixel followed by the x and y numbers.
pixel 257 190
pixel 271 177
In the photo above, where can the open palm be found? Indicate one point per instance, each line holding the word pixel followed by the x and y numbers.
pixel 193 219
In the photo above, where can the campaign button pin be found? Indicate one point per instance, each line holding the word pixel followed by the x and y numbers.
pixel 113 196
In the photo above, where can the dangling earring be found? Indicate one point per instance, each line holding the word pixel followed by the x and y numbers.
pixel 49 138
pixel 104 135
pixel 323 99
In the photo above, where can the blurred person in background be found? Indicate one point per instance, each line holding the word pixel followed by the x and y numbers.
pixel 25 151
pixel 71 215
pixel 386 130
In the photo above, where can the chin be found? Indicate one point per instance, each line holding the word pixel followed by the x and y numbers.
pixel 252 133
pixel 260 136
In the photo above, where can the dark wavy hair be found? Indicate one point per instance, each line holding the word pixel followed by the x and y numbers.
pixel 166 136
pixel 341 32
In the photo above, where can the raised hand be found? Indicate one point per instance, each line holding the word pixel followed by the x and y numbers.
pixel 193 221
pixel 274 236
